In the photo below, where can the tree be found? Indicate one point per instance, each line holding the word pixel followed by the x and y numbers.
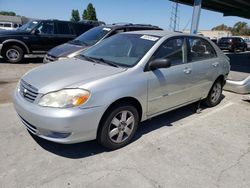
pixel 7 13
pixel 85 15
pixel 75 17
pixel 220 27
pixel 239 28
pixel 89 13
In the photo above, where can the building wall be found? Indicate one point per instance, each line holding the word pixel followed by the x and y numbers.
pixel 213 34
pixel 14 19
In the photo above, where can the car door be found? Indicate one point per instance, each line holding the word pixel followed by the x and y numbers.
pixel 63 33
pixel 42 38
pixel 170 87
pixel 205 66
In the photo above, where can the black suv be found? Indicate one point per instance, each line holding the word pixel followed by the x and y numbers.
pixel 91 37
pixel 37 37
pixel 232 44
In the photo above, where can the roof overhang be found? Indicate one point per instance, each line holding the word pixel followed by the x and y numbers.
pixel 239 8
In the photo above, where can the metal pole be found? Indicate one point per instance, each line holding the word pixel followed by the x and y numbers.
pixel 196 16
pixel 175 16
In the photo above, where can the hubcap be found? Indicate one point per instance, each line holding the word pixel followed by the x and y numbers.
pixel 12 54
pixel 216 92
pixel 121 126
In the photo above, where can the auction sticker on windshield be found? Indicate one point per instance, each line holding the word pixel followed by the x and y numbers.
pixel 147 37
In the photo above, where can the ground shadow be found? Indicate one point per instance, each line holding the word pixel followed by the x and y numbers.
pixel 25 61
pixel 86 149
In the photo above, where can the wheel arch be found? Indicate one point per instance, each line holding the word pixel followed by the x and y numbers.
pixel 221 78
pixel 18 43
pixel 124 100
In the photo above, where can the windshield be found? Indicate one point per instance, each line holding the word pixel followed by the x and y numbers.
pixel 122 49
pixel 92 36
pixel 28 26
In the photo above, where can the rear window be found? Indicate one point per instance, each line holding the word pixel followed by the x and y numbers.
pixel 63 28
pixel 7 25
pixel 225 40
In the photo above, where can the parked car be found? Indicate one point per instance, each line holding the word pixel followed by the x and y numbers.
pixel 214 40
pixel 93 22
pixel 91 37
pixel 232 44
pixel 128 78
pixel 247 40
pixel 9 25
pixel 37 37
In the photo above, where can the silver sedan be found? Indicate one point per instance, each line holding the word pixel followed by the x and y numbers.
pixel 105 92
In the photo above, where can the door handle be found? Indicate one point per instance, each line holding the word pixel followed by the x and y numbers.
pixel 215 64
pixel 187 70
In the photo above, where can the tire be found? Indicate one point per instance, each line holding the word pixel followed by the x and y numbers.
pixel 214 95
pixel 13 54
pixel 118 127
pixel 244 49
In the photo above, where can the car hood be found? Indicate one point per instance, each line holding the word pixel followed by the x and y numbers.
pixel 67 73
pixel 66 49
pixel 13 32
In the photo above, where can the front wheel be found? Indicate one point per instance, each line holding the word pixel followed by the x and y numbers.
pixel 118 127
pixel 214 95
pixel 13 54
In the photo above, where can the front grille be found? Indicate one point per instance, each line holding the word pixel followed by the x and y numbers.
pixel 50 58
pixel 28 91
pixel 30 127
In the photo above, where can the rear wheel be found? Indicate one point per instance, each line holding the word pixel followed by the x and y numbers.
pixel 118 127
pixel 13 54
pixel 214 96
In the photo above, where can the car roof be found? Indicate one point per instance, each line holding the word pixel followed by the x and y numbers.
pixel 121 25
pixel 162 33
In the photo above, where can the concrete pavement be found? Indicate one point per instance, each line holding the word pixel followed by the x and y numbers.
pixel 177 149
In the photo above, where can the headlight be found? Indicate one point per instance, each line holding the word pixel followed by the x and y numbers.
pixel 65 98
pixel 74 54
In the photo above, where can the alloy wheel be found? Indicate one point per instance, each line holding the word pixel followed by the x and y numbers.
pixel 12 54
pixel 121 126
pixel 216 92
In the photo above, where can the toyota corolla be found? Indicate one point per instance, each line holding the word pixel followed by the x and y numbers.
pixel 105 92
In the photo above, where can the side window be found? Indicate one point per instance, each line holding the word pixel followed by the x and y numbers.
pixel 46 28
pixel 173 49
pixel 72 29
pixel 200 49
pixel 62 28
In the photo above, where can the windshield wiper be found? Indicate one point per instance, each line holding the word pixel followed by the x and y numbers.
pixel 88 58
pixel 107 62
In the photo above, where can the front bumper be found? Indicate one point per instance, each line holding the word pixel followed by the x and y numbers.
pixel 1 46
pixel 242 87
pixel 48 58
pixel 82 124
pixel 225 47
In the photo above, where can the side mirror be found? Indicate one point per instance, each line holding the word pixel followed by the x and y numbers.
pixel 36 32
pixel 159 63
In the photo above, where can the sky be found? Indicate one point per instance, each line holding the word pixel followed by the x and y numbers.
pixel 155 12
